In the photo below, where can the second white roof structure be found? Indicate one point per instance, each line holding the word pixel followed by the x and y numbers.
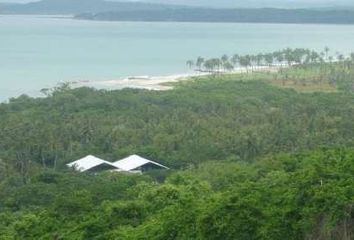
pixel 90 163
pixel 135 162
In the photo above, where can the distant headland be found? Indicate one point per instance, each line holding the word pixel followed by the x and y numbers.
pixel 102 10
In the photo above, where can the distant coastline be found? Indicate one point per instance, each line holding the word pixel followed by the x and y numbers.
pixel 262 15
pixel 102 10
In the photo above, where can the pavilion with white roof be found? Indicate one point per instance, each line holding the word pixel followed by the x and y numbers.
pixel 92 164
pixel 135 163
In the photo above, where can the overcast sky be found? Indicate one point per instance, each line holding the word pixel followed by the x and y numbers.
pixel 243 3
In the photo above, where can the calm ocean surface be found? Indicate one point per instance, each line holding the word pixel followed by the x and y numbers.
pixel 40 51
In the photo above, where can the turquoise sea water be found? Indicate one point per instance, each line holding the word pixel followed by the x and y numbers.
pixel 40 51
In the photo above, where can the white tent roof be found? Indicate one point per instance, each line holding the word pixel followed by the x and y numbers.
pixel 134 161
pixel 88 162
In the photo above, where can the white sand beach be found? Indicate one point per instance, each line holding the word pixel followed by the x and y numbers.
pixel 141 82
pixel 158 83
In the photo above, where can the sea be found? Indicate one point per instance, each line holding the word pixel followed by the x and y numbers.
pixel 39 52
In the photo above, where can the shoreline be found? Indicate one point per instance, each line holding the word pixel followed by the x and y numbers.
pixel 159 83
pixel 154 83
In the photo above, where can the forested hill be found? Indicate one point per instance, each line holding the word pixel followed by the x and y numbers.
pixel 265 15
pixel 77 6
pixel 262 3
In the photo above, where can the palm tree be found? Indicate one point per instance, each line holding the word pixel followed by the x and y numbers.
pixel 289 56
pixel 326 50
pixel 259 59
pixel 199 63
pixel 352 57
pixel 209 65
pixel 190 64
pixel 228 67
pixel 314 56
pixel 269 59
pixel 279 56
pixel 299 55
pixel 340 57
pixel 330 59
pixel 235 59
pixel 224 58
pixel 217 63
pixel 245 61
pixel 253 61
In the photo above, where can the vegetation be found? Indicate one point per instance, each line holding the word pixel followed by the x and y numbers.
pixel 301 196
pixel 250 160
pixel 301 69
pixel 284 58
pixel 241 15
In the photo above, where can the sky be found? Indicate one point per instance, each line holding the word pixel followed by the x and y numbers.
pixel 242 3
